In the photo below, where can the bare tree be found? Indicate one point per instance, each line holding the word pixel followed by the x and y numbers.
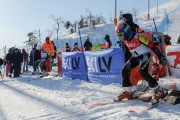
pixel 82 22
pixel 49 32
pixel 58 22
pixel 32 39
pixel 67 24
pixel 134 10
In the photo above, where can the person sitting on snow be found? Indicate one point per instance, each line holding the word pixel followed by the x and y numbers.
pixel 139 47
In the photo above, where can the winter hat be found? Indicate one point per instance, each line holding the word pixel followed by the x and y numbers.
pixel 48 39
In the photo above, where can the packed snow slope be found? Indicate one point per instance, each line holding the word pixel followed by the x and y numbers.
pixel 32 98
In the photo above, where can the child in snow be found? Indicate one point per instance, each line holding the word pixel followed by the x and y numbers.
pixel 139 47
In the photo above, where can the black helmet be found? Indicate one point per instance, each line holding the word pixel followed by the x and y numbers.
pixel 106 37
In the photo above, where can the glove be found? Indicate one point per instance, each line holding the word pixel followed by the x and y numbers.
pixel 49 53
pixel 163 60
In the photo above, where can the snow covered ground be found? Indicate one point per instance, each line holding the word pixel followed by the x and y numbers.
pixel 31 98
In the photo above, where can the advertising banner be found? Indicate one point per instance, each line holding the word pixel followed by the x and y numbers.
pixel 173 58
pixel 104 66
pixel 73 65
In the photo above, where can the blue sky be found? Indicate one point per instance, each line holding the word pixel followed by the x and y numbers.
pixel 18 17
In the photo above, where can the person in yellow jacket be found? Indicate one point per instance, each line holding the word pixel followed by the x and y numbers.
pixel 48 47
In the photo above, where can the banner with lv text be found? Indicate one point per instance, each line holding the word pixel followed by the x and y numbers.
pixel 73 65
pixel 104 66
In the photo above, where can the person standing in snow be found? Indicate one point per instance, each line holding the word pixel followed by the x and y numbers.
pixel 139 47
pixel 68 49
pixel 108 41
pixel 55 52
pixel 34 56
pixel 25 60
pixel 178 42
pixel 16 61
pixel 1 63
pixel 87 45
pixel 49 48
pixel 8 60
pixel 76 48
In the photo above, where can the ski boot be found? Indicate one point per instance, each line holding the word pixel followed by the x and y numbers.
pixel 159 93
pixel 126 95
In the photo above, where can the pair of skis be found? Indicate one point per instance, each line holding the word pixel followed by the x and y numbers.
pixel 95 104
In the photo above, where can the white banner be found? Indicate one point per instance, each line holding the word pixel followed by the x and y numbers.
pixel 173 58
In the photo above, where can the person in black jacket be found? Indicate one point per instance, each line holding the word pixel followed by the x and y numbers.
pixel 17 59
pixel 87 45
pixel 1 62
pixel 34 56
pixel 55 54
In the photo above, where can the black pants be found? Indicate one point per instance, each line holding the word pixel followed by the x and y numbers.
pixel 143 61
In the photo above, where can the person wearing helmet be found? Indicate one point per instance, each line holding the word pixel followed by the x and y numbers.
pixel 127 17
pixel 108 41
pixel 139 47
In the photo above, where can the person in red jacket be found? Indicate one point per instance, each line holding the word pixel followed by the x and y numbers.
pixel 76 48
pixel 48 47
pixel 25 60
pixel 108 41
pixel 68 49
pixel 139 46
